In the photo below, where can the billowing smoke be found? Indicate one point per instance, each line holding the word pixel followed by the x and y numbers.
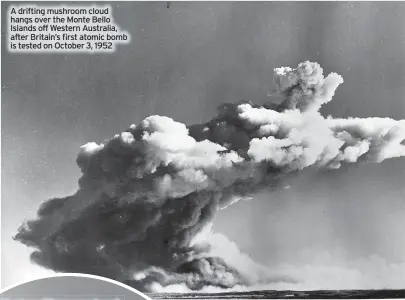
pixel 148 196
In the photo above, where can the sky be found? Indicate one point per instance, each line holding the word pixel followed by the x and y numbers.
pixel 185 61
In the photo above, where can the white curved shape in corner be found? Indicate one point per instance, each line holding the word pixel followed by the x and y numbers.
pixel 80 275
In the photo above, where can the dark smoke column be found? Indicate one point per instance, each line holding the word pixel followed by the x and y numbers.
pixel 146 195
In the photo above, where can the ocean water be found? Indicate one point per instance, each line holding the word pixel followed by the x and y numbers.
pixel 326 294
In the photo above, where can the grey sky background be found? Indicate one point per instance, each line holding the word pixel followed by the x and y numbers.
pixel 69 288
pixel 185 61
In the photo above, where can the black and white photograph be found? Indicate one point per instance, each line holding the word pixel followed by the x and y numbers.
pixel 237 150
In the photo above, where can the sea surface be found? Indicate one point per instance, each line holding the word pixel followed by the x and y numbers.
pixel 324 294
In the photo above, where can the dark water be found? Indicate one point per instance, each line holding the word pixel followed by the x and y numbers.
pixel 327 294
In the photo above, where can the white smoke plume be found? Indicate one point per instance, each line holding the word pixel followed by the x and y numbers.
pixel 148 196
